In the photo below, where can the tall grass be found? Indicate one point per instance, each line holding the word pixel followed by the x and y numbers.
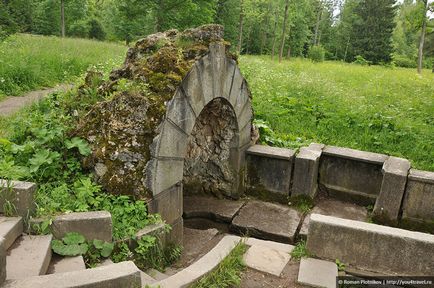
pixel 30 62
pixel 372 108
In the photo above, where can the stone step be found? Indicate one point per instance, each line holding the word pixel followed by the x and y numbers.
pixel 221 210
pixel 28 256
pixel 123 274
pixel 10 229
pixel 146 279
pixel 61 264
pixel 317 273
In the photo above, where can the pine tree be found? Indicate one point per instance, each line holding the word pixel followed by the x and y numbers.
pixel 372 30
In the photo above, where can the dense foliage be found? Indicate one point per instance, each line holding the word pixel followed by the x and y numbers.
pixel 379 31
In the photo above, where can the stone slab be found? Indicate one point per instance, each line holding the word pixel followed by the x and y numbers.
pixel 156 275
pixel 305 179
pixel 123 274
pixel 221 210
pixel 61 264
pixel 317 273
pixel 285 248
pixel 2 261
pixel 24 196
pixel 92 225
pixel 269 172
pixel 418 202
pixel 336 208
pixel 203 266
pixel 388 204
pixel 10 229
pixel 272 152
pixel 357 155
pixel 351 179
pixel 371 247
pixel 266 259
pixel 267 221
pixel 195 240
pixel 28 256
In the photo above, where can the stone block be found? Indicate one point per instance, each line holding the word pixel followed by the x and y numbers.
pixel 22 194
pixel 172 141
pixel 180 112
pixel 92 225
pixel 227 80
pixel 219 62
pixel 306 166
pixel 192 86
pixel 245 136
pixel 2 261
pixel 269 172
pixel 266 259
pixel 351 175
pixel 419 197
pixel 168 204
pixel 176 233
pixel 388 204
pixel 123 274
pixel 66 264
pixel 28 256
pixel 10 229
pixel 246 115
pixel 243 99
pixel 267 221
pixel 371 247
pixel 317 273
pixel 221 210
pixel 165 174
pixel 205 71
pixel 237 85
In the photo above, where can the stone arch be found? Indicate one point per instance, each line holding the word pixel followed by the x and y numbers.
pixel 213 76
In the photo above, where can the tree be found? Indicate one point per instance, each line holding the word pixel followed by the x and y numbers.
pixel 7 24
pixel 371 32
pixel 424 10
pixel 240 30
pixel 285 20
pixel 62 17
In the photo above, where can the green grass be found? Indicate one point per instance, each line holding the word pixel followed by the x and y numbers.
pixel 300 251
pixel 228 272
pixel 371 108
pixel 29 62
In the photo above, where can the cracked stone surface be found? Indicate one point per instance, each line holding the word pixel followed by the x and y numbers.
pixel 267 221
pixel 266 259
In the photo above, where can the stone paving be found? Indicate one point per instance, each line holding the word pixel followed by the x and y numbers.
pixel 266 259
pixel 317 273
pixel 207 207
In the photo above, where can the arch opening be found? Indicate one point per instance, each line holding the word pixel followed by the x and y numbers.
pixel 208 168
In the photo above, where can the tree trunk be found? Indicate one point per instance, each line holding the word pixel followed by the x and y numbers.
pixel 282 43
pixel 240 36
pixel 346 49
pixel 288 54
pixel 422 38
pixel 62 17
pixel 318 20
pixel 273 49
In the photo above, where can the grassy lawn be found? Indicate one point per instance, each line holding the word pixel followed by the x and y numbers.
pixel 29 62
pixel 372 108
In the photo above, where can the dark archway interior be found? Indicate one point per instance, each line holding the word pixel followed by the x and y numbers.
pixel 207 165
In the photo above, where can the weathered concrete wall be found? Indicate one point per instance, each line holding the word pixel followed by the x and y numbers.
pixel 2 261
pixel 419 197
pixel 269 172
pixel 351 175
pixel 371 247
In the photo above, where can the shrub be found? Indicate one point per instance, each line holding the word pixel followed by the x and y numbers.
pixel 404 61
pixel 317 54
pixel 96 30
pixel 361 61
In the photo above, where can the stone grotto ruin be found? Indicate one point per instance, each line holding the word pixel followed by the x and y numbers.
pixel 179 119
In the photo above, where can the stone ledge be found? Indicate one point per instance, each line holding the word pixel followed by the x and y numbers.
pixel 356 155
pixel 92 225
pixel 24 196
pixel 422 176
pixel 272 152
pixel 270 244
pixel 124 274
pixel 317 273
pixel 391 250
pixel 10 229
pixel 202 266
pixel 221 210
pixel 2 261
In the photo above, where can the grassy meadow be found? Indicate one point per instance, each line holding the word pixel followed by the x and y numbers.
pixel 372 108
pixel 29 62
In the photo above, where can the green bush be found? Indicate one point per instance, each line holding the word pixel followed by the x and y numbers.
pixel 96 30
pixel 404 61
pixel 317 53
pixel 361 61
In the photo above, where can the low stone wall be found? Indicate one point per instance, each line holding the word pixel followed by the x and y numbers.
pixel 371 247
pixel 20 193
pixel 398 194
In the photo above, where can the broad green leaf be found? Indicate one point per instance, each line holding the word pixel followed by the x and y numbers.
pixel 73 238
pixel 107 249
pixel 80 144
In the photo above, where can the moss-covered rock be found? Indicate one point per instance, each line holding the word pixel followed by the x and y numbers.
pixel 121 128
